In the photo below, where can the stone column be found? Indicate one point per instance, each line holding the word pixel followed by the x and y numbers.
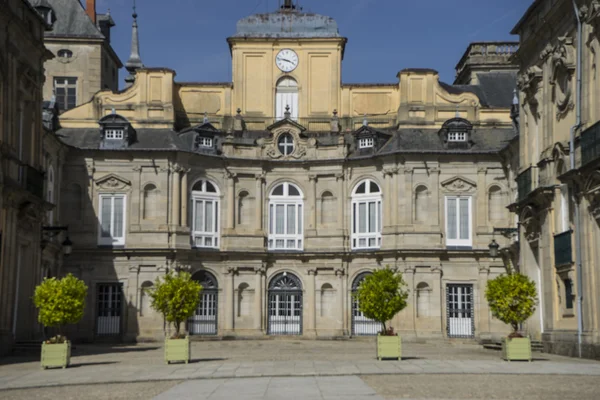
pixel 411 312
pixel 258 294
pixel 435 196
pixel 185 197
pixel 406 203
pixel 484 313
pixel 387 199
pixel 230 199
pixel 339 272
pixel 438 294
pixel 482 206
pixel 259 201
pixel 312 198
pixel 229 296
pixel 395 196
pixel 341 222
pixel 176 206
pixel 310 294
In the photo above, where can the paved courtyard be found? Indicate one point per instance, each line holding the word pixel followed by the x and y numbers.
pixel 260 369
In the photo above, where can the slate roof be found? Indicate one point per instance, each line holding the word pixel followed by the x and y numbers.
pixel 147 139
pixel 287 24
pixel 495 89
pixel 71 20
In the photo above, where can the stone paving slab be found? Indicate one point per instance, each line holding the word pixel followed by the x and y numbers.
pixel 225 360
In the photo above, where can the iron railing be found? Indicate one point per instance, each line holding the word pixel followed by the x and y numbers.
pixel 590 144
pixel 204 321
pixel 526 182
pixel 563 251
pixel 32 180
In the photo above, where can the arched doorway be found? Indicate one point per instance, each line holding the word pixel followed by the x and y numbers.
pixel 361 325
pixel 285 305
pixel 204 322
pixel 286 95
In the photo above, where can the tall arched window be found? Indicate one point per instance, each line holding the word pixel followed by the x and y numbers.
pixel 366 215
pixel 205 214
pixel 285 218
pixel 286 95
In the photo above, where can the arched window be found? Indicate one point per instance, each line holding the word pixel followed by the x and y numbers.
pixel 328 209
pixel 150 201
pixel 50 193
pixel 495 206
pixel 286 96
pixel 285 218
pixel 421 204
pixel 205 214
pixel 366 215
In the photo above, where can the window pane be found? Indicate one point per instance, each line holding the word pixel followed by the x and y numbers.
pixel 198 223
pixel 271 220
pixel 216 203
pixel 118 230
pixel 299 219
pixel 464 218
pixel 361 189
pixel 380 223
pixel 292 191
pixel 374 188
pixel 106 208
pixel 278 191
pixel 279 218
pixel 362 217
pixel 354 218
pixel 291 219
pixel 279 244
pixel 451 215
pixel 210 188
pixel 372 217
pixel 209 217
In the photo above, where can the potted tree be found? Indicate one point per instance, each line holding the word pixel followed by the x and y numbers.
pixel 176 297
pixel 512 298
pixel 381 296
pixel 59 302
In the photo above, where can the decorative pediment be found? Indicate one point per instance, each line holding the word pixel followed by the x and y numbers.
pixel 286 124
pixel 113 182
pixel 286 141
pixel 206 127
pixel 459 184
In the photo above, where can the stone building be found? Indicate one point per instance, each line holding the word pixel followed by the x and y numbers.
pixel 558 203
pixel 84 61
pixel 280 190
pixel 26 203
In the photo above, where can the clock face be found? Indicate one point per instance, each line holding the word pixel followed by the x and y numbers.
pixel 287 60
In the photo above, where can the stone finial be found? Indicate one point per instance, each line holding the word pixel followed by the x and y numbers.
pixel 515 97
pixel 335 122
pixel 238 121
pixel 365 121
pixel 205 119
pixel 287 113
pixel 457 113
pixel 135 61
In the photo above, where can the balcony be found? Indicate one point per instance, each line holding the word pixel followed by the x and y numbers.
pixel 590 144
pixel 32 180
pixel 563 252
pixel 527 182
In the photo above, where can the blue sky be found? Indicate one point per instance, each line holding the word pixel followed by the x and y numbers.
pixel 384 36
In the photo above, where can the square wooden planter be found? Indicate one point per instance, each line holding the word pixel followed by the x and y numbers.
pixel 516 349
pixel 177 350
pixel 389 347
pixel 56 355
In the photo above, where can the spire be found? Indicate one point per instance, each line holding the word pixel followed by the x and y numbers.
pixel 288 5
pixel 135 61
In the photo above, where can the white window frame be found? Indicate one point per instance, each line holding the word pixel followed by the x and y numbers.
pixel 457 136
pixel 62 82
pixel 564 208
pixel 206 237
pixel 205 142
pixel 112 240
pixel 114 134
pixel 297 204
pixel 468 242
pixel 372 238
pixel 365 143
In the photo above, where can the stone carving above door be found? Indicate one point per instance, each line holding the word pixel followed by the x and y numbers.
pixel 113 182
pixel 459 184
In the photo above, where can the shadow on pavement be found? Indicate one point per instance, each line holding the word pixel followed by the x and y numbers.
pixel 87 364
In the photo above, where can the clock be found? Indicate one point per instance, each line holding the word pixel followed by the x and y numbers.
pixel 286 60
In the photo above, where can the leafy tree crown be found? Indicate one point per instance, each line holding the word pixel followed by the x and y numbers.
pixel 176 296
pixel 512 298
pixel 382 295
pixel 60 301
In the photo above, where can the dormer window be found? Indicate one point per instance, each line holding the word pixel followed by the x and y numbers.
pixel 365 143
pixel 457 136
pixel 64 53
pixel 205 142
pixel 113 134
pixel 285 144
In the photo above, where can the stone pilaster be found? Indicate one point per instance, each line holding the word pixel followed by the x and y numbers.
pixel 184 196
pixel 484 327
pixel 406 203
pixel 176 206
pixel 260 178
pixel 438 293
pixel 310 315
pixel 230 299
pixel 339 272
pixel 231 199
pixel 481 199
pixel 341 221
pixel 258 298
pixel 312 198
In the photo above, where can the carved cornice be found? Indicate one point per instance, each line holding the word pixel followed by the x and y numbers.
pixel 459 184
pixel 113 182
pixel 339 272
pixel 232 270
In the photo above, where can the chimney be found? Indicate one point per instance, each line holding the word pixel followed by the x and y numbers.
pixel 90 9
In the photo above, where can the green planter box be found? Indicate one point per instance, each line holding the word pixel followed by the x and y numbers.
pixel 389 347
pixel 56 355
pixel 516 349
pixel 177 350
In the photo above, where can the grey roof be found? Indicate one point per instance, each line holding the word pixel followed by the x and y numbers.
pixel 287 24
pixel 495 89
pixel 71 20
pixel 146 139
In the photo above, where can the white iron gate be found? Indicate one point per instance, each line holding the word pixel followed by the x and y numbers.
pixel 361 325
pixel 204 321
pixel 285 305
pixel 110 309
pixel 459 308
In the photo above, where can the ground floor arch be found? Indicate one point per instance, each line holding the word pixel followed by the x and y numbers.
pixel 361 325
pixel 284 305
pixel 205 320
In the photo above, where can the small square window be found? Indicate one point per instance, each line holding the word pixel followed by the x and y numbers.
pixel 113 134
pixel 365 143
pixel 457 136
pixel 205 142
